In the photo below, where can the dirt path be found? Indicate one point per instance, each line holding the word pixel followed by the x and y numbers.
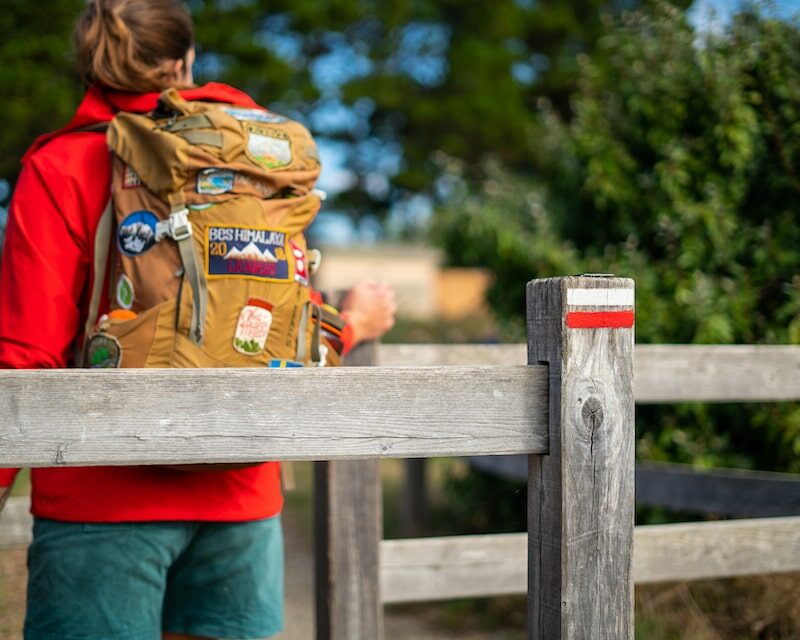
pixel 12 593
pixel 300 599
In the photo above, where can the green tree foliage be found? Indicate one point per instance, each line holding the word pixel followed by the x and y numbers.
pixel 40 90
pixel 397 81
pixel 680 169
pixel 394 81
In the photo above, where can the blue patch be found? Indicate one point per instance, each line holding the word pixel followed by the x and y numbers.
pixel 284 364
pixel 247 253
pixel 137 233
pixel 254 115
pixel 215 182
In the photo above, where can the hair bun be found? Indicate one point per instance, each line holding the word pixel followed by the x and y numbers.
pixel 124 44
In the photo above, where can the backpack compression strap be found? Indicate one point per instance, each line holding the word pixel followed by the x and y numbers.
pixel 179 228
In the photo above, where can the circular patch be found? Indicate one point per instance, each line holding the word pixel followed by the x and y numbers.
pixel 103 352
pixel 137 233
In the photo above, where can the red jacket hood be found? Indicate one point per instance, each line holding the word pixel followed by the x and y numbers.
pixel 101 105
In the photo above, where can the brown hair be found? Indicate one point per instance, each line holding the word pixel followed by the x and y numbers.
pixel 128 44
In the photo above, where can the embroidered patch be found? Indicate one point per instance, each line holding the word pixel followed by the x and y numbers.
pixel 300 265
pixel 124 292
pixel 252 328
pixel 215 182
pixel 255 115
pixel 269 147
pixel 284 364
pixel 137 233
pixel 244 182
pixel 131 180
pixel 247 252
pixel 103 352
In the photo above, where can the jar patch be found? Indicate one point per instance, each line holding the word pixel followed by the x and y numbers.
pixel 252 328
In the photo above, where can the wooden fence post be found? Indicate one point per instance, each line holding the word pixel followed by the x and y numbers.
pixel 347 532
pixel 581 495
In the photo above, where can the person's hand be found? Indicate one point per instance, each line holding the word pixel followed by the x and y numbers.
pixel 369 308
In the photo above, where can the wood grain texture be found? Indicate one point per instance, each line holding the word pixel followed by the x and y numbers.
pixel 348 531
pixel 476 566
pixel 70 417
pixel 426 569
pixel 716 549
pixel 663 373
pixel 347 534
pixel 717 373
pixel 581 495
pixel 435 355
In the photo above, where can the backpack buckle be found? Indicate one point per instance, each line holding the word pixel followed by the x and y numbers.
pixel 179 226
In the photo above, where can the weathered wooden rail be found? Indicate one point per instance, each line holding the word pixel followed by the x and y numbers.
pixel 574 403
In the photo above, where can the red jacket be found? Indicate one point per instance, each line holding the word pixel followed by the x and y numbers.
pixel 44 283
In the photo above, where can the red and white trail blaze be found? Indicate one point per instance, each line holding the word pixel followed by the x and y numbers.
pixel 615 308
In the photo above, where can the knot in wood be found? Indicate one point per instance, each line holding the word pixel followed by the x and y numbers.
pixel 592 412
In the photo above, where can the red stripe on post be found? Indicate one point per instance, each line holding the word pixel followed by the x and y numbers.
pixel 600 319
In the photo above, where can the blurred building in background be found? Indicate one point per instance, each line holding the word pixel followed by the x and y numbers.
pixel 425 289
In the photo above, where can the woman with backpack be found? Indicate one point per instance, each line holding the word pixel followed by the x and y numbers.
pixel 138 553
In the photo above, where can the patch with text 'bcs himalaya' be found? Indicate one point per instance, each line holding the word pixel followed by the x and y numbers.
pixel 246 252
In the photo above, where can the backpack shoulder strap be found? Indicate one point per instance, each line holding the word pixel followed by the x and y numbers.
pixel 102 246
pixel 98 127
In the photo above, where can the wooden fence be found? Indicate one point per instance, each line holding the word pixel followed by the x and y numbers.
pixel 574 403
pixel 570 410
pixel 473 566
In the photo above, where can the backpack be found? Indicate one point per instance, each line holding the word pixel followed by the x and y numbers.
pixel 208 263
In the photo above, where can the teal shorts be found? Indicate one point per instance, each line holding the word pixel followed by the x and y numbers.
pixel 131 581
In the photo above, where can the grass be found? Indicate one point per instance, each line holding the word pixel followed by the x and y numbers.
pixel 22 484
pixel 747 608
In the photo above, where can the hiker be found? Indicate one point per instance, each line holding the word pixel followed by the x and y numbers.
pixel 205 267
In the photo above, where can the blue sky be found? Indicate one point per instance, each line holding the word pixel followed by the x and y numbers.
pixel 722 9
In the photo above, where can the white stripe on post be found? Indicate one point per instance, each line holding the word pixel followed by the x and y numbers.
pixel 600 297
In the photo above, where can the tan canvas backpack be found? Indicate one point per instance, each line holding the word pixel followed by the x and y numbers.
pixel 208 264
